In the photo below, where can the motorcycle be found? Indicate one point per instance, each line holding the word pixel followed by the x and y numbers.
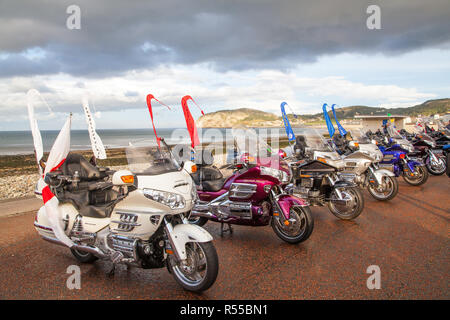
pixel 425 148
pixel 138 219
pixel 361 158
pixel 447 157
pixel 315 177
pixel 395 151
pixel 253 194
pixel 440 136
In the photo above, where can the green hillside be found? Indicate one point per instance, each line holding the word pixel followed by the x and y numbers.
pixel 258 118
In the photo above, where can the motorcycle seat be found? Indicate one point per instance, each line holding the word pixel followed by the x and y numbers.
pixel 210 178
pixel 86 171
pixel 213 185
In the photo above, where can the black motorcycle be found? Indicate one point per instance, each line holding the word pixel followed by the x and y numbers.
pixel 319 184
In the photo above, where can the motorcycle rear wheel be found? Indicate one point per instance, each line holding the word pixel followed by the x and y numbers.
pixel 201 267
pixel 385 196
pixel 297 231
pixel 347 213
pixel 83 257
pixel 419 179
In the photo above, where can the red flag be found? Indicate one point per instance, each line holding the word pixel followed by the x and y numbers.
pixel 56 158
pixel 149 104
pixel 190 121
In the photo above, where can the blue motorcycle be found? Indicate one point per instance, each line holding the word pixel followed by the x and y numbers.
pixel 395 153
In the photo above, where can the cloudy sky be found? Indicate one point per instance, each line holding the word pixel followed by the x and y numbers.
pixel 224 53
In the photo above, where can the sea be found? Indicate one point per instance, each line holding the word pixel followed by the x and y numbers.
pixel 21 142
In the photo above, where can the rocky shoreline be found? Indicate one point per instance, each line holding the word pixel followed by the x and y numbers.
pixel 18 186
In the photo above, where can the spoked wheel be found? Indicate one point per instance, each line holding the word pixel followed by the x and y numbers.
pixel 199 221
pixel 298 228
pixel 416 178
pixel 199 271
pixel 387 190
pixel 82 256
pixel 353 206
pixel 437 168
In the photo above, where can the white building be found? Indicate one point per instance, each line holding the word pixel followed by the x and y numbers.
pixel 375 122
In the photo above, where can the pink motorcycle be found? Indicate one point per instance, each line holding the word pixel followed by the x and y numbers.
pixel 253 194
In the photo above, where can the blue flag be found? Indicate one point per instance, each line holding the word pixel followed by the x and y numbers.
pixel 328 120
pixel 287 125
pixel 342 131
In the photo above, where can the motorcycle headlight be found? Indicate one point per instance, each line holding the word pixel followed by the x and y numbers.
pixel 277 174
pixel 172 200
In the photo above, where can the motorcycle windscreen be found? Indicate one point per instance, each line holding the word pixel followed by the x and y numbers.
pixel 393 132
pixel 359 135
pixel 421 134
pixel 315 141
pixel 253 148
pixel 149 159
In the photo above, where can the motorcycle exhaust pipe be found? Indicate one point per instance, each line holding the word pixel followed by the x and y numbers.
pixel 205 214
pixel 95 251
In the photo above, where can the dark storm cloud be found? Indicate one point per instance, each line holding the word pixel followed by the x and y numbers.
pixel 118 36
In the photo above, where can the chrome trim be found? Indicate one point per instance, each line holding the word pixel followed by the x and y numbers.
pixel 127 222
pixel 95 251
pixel 242 190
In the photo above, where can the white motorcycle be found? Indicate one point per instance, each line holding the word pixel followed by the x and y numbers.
pixel 135 219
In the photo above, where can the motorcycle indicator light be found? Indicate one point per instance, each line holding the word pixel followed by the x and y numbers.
pixel 356 144
pixel 127 179
pixel 194 168
pixel 322 159
pixel 402 156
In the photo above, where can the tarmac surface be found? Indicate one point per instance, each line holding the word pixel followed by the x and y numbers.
pixel 408 238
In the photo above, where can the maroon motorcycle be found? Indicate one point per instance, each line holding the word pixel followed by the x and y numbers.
pixel 426 148
pixel 252 194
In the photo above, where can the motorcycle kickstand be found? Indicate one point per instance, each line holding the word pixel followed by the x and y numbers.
pixel 223 230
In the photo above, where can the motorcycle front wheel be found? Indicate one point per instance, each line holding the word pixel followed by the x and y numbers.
pixel 199 271
pixel 438 169
pixel 300 227
pixel 349 210
pixel 389 191
pixel 419 177
pixel 199 221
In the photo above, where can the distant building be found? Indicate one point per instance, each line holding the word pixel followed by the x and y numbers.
pixel 375 122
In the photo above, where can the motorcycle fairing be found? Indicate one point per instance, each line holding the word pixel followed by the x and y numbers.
pixel 316 165
pixel 184 233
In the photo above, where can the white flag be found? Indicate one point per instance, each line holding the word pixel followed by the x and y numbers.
pixel 96 143
pixel 56 158
pixel 37 139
